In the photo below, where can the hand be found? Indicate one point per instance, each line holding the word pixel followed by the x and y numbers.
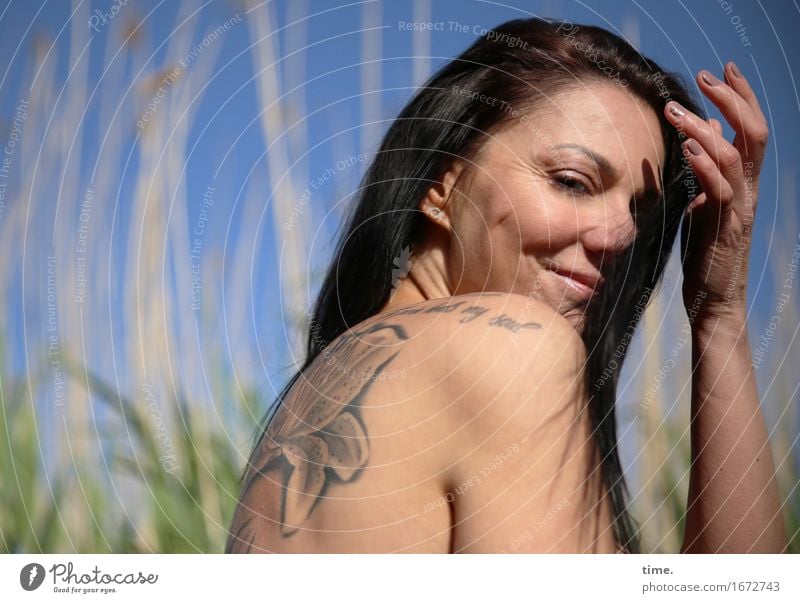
pixel 716 231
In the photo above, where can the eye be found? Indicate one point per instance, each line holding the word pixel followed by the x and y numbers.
pixel 571 183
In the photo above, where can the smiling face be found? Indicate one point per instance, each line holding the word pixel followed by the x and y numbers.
pixel 553 195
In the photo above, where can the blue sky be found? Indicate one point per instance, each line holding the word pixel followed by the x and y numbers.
pixel 684 36
pixel 228 146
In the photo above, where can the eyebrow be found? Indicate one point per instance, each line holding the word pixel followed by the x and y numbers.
pixel 602 162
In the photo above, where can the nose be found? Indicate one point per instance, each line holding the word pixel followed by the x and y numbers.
pixel 610 230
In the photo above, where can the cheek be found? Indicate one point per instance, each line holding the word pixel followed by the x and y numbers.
pixel 469 246
pixel 507 223
pixel 541 220
pixel 497 230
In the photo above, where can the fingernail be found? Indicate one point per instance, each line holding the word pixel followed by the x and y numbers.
pixel 735 70
pixel 677 109
pixel 708 78
pixel 694 146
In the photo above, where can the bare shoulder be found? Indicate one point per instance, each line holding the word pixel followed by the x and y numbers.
pixel 489 354
pixel 478 322
pixel 511 404
pixel 405 407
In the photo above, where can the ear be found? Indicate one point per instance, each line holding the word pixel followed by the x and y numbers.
pixel 436 204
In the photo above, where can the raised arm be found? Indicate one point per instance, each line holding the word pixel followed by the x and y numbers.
pixel 733 503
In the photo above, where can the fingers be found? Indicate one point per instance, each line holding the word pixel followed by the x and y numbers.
pixel 737 81
pixel 738 104
pixel 698 201
pixel 714 185
pixel 710 138
pixel 719 165
pixel 705 168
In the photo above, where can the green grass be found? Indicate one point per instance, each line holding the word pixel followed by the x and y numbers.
pixel 185 509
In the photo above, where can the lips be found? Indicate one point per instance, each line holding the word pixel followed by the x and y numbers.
pixel 585 283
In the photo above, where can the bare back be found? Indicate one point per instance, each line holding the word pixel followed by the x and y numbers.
pixel 372 448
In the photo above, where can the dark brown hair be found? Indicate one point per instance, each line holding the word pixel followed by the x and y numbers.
pixel 518 62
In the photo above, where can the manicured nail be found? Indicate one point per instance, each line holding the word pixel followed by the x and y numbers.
pixel 708 78
pixel 734 69
pixel 677 109
pixel 694 147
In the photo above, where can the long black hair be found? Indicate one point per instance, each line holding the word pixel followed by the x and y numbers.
pixel 519 62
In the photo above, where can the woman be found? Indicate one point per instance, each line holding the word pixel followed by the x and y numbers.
pixel 464 351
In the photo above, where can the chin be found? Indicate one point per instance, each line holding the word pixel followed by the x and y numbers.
pixel 576 318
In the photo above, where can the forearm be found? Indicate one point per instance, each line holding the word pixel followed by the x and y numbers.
pixel 733 503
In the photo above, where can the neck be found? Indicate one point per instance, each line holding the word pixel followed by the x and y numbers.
pixel 426 279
